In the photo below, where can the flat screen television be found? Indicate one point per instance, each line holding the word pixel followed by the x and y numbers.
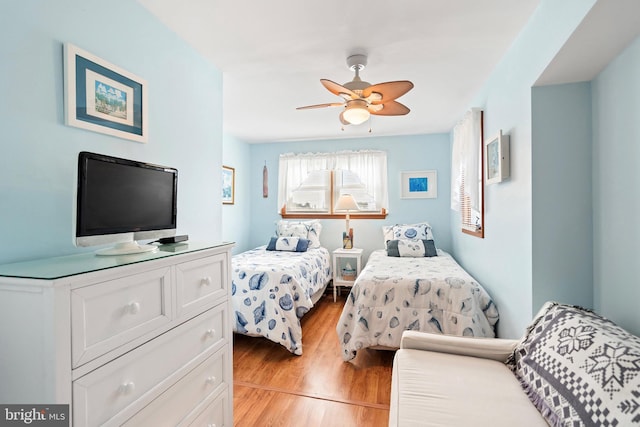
pixel 122 201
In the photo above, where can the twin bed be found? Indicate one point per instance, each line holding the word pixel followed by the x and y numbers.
pixel 419 287
pixel 272 289
pixel 394 294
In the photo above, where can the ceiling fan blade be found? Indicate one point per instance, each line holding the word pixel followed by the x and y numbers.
pixel 343 120
pixel 391 108
pixel 388 90
pixel 332 104
pixel 338 89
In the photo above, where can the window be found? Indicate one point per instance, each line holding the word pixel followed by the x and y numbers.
pixel 310 184
pixel 467 190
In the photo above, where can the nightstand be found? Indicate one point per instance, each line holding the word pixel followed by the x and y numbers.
pixel 347 264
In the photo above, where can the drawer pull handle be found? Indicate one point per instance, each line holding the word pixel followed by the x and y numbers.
pixel 211 425
pixel 126 388
pixel 210 333
pixel 211 380
pixel 133 307
pixel 206 281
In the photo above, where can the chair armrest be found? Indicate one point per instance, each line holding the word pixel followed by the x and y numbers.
pixel 488 348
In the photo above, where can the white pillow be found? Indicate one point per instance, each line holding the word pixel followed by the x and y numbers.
pixel 387 232
pixel 306 229
pixel 419 231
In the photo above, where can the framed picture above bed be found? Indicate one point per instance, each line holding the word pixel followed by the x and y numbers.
pixel 419 185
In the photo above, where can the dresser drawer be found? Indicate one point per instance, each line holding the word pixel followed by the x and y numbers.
pixel 181 399
pixel 215 414
pixel 124 386
pixel 200 283
pixel 107 315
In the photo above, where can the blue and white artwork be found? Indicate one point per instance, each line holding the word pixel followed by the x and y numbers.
pixel 104 98
pixel 418 184
pixel 110 100
pixel 228 184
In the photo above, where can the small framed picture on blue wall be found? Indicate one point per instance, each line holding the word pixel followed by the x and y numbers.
pixel 102 97
pixel 419 185
pixel 228 185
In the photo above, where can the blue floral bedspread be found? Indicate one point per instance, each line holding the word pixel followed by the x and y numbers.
pixel 272 291
pixel 432 294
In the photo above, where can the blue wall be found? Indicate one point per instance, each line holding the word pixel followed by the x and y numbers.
pixel 237 217
pixel 616 183
pixel 561 194
pixel 404 153
pixel 502 261
pixel 39 153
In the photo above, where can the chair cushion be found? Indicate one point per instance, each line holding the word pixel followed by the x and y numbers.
pixel 438 389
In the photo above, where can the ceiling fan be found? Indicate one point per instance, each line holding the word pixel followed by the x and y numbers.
pixel 361 99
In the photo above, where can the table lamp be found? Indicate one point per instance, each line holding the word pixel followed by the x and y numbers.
pixel 346 202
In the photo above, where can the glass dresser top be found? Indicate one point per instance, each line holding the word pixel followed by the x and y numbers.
pixel 71 265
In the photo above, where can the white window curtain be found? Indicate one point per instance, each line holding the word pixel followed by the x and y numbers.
pixel 369 165
pixel 294 168
pixel 465 160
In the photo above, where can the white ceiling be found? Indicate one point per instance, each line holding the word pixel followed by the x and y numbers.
pixel 273 54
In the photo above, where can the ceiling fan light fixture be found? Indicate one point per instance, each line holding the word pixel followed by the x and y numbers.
pixel 362 99
pixel 356 113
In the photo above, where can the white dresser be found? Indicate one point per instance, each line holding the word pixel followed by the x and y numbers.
pixel 137 340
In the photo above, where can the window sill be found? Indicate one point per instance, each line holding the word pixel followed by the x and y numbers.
pixel 319 215
pixel 478 233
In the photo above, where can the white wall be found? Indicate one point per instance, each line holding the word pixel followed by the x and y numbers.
pixel 616 179
pixel 38 163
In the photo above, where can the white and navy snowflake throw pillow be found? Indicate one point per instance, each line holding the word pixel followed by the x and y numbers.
pixel 580 369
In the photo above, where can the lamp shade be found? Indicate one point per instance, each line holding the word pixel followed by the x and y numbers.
pixel 356 114
pixel 346 202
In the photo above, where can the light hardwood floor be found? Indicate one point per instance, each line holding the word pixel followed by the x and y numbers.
pixel 273 387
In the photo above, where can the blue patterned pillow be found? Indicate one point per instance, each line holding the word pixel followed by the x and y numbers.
pixel 289 244
pixel 579 369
